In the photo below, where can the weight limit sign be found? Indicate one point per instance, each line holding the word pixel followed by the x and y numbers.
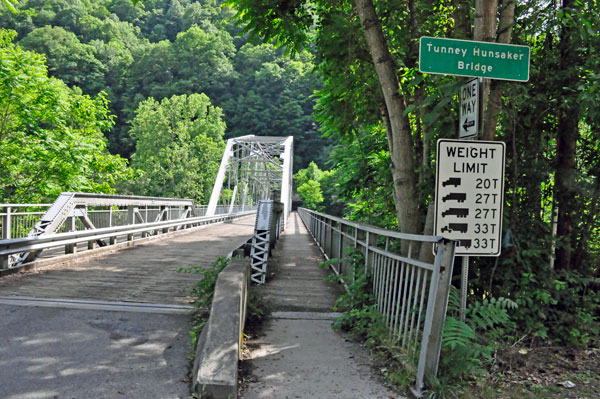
pixel 470 195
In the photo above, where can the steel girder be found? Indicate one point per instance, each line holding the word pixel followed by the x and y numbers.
pixel 254 168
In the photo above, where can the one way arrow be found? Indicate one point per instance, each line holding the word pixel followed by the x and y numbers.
pixel 468 124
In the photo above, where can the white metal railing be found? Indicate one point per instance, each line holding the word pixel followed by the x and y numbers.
pixel 18 245
pixel 411 295
pixel 75 218
pixel 17 220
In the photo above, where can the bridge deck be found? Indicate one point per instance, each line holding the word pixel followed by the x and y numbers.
pixel 75 348
pixel 146 272
pixel 296 282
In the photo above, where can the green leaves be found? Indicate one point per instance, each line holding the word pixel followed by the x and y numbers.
pixel 311 195
pixel 287 23
pixel 10 5
pixel 308 186
pixel 51 137
pixel 457 333
pixel 179 144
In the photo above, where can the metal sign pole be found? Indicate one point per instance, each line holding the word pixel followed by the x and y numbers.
pixel 464 283
pixel 464 280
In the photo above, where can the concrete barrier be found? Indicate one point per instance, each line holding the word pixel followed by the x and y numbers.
pixel 217 352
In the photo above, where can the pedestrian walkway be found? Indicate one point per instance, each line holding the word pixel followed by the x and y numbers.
pixel 299 355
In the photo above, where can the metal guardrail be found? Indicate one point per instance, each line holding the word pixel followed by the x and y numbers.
pixel 411 295
pixel 75 218
pixel 17 220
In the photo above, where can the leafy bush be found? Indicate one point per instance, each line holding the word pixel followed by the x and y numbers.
pixel 560 306
pixel 468 346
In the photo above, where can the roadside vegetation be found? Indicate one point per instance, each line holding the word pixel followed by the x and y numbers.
pixel 488 356
pixel 202 294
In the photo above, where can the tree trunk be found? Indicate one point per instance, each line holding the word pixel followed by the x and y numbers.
pixel 399 137
pixel 426 253
pixel 586 228
pixel 486 12
pixel 568 118
pixel 494 100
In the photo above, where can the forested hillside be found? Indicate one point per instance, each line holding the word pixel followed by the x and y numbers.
pixel 162 48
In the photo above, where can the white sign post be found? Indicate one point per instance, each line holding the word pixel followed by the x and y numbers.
pixel 470 195
pixel 468 122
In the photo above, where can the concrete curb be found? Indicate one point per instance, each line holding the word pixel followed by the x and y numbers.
pixel 215 370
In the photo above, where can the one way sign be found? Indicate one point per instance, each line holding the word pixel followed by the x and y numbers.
pixel 468 123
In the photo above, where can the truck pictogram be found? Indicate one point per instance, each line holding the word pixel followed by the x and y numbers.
pixel 452 181
pixel 461 227
pixel 460 212
pixel 460 197
pixel 464 243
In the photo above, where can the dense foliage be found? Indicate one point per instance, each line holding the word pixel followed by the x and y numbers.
pixel 162 48
pixel 51 136
pixel 549 124
pixel 179 145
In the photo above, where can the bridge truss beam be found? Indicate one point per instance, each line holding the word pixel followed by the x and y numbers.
pixel 254 168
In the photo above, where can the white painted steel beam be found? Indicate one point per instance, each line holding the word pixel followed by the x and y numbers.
pixel 286 182
pixel 262 165
pixel 214 197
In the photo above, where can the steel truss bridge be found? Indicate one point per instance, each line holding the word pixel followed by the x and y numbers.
pixel 253 169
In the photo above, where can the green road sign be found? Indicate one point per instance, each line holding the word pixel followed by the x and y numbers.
pixel 471 58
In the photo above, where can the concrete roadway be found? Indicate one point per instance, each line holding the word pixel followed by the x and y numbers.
pixel 112 326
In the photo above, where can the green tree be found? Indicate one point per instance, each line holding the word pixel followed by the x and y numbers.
pixel 202 62
pixel 197 61
pixel 178 147
pixel 161 48
pixel 10 5
pixel 272 96
pixel 363 39
pixel 51 136
pixel 68 59
pixel 312 172
pixel 311 195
